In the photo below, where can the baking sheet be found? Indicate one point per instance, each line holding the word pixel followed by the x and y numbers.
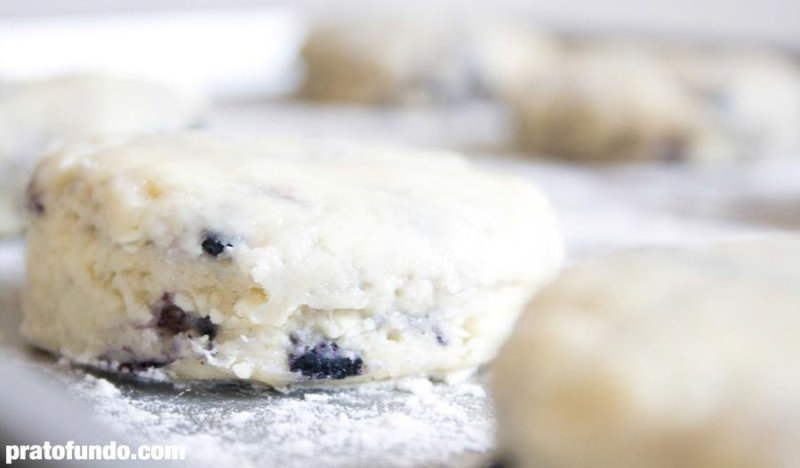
pixel 414 422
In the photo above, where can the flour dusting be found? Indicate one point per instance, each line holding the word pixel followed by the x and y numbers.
pixel 405 424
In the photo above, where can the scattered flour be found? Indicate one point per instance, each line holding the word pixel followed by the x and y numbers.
pixel 104 388
pixel 416 386
pixel 410 423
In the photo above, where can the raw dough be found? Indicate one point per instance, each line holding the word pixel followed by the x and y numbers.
pixel 623 101
pixel 280 262
pixel 375 60
pixel 670 358
pixel 507 53
pixel 753 96
pixel 601 107
pixel 385 61
pixel 35 114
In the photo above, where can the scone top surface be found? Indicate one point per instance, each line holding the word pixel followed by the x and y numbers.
pixel 659 358
pixel 300 234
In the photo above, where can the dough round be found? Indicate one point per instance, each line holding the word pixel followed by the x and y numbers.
pixel 629 102
pixel 754 96
pixel 507 54
pixel 35 114
pixel 385 61
pixel 671 358
pixel 422 61
pixel 279 262
pixel 601 107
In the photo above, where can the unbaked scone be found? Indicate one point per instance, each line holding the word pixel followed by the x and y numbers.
pixel 35 114
pixel 279 262
pixel 754 96
pixel 670 358
pixel 505 54
pixel 385 61
pixel 624 101
pixel 601 107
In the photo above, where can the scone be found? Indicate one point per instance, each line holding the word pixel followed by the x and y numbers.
pixel 278 262
pixel 384 61
pixel 622 101
pixel 429 60
pixel 601 107
pixel 662 358
pixel 505 54
pixel 754 96
pixel 35 114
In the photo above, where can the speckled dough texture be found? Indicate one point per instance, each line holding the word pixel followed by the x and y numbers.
pixel 36 114
pixel 662 358
pixel 281 262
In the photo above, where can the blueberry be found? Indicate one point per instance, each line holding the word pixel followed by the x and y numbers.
pixel 213 246
pixel 173 319
pixel 325 361
pixel 440 337
pixel 205 327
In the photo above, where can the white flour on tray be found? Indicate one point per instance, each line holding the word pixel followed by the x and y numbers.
pixel 412 423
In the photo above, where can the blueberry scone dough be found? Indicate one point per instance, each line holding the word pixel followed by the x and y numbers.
pixel 428 60
pixel 620 101
pixel 385 61
pixel 35 114
pixel 752 95
pixel 671 358
pixel 505 54
pixel 600 107
pixel 279 262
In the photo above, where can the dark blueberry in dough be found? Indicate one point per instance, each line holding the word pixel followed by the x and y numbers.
pixel 33 199
pixel 204 326
pixel 173 319
pixel 213 246
pixel 440 338
pixel 325 361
